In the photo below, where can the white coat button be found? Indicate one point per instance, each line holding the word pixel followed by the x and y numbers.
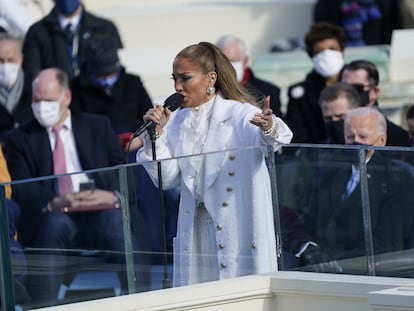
pixel 225 204
pixel 229 189
pixel 221 246
pixel 253 245
pixel 218 227
pixel 223 265
pixel 231 173
pixel 232 157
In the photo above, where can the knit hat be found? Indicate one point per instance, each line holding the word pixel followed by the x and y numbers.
pixel 102 56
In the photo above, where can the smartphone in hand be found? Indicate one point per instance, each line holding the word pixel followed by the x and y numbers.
pixel 87 185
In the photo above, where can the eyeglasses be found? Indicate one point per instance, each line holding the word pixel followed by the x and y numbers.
pixel 361 87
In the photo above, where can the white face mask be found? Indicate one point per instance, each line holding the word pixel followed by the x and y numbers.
pixel 8 73
pixel 238 67
pixel 47 113
pixel 328 63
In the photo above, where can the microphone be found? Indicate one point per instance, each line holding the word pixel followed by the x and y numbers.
pixel 173 102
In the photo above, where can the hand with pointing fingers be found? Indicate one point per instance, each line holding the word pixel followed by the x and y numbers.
pixel 264 120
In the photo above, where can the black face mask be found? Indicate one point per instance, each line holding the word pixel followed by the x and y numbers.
pixel 364 97
pixel 335 131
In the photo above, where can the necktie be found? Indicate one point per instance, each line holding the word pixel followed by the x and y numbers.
pixel 352 183
pixel 72 50
pixel 69 34
pixel 59 164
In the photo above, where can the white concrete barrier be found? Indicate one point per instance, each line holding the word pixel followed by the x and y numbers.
pixel 281 291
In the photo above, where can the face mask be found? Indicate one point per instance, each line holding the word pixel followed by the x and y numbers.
pixel 67 7
pixel 335 131
pixel 47 113
pixel 328 63
pixel 8 73
pixel 364 97
pixel 238 67
pixel 106 83
pixel 353 154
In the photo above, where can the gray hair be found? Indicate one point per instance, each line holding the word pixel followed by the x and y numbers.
pixel 223 41
pixel 369 112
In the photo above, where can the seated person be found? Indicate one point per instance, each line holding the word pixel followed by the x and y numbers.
pixel 334 216
pixel 236 51
pixel 104 87
pixel 60 38
pixel 18 258
pixel 325 45
pixel 336 101
pixel 364 76
pixel 15 86
pixel 49 219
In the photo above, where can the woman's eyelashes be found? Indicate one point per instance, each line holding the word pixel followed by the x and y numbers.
pixel 180 78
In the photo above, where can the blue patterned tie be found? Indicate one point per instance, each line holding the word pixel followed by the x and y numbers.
pixel 352 183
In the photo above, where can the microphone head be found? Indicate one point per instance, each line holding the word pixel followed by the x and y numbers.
pixel 174 101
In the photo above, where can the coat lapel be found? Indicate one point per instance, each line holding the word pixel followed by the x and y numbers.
pixel 83 141
pixel 218 139
pixel 39 139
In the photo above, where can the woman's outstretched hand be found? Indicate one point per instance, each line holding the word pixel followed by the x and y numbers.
pixel 264 120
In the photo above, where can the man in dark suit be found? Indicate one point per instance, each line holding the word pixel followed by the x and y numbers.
pixel 335 101
pixel 364 76
pixel 57 219
pixel 60 38
pixel 335 217
pixel 236 51
pixel 106 88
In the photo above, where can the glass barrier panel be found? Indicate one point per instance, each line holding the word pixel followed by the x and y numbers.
pixel 7 247
pixel 326 229
pixel 82 244
pixel 213 216
pixel 225 224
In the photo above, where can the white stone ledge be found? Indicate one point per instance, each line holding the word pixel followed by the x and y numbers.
pixel 282 291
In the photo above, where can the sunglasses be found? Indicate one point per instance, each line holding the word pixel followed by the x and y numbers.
pixel 361 87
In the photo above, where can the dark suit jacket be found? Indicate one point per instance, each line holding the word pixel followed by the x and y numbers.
pixel 304 115
pixel 29 155
pixel 45 42
pixel 125 103
pixel 337 225
pixel 396 135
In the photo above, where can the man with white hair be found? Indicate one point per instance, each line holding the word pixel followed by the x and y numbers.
pixel 236 51
pixel 335 219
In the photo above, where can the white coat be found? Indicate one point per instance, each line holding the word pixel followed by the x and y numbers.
pixel 237 191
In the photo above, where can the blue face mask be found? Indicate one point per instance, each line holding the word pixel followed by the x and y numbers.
pixel 106 83
pixel 67 7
